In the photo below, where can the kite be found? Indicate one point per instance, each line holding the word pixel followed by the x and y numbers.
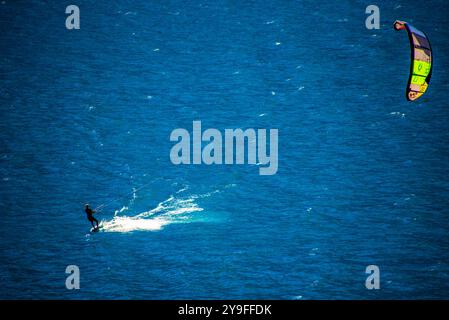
pixel 421 60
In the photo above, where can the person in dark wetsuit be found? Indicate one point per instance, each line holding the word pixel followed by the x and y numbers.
pixel 90 216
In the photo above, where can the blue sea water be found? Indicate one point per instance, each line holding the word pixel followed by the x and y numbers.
pixel 86 116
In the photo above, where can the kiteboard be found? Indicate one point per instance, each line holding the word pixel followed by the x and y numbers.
pixel 95 229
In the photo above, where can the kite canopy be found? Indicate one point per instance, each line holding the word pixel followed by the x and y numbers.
pixel 421 62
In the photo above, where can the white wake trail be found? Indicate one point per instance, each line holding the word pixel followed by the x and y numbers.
pixel 171 210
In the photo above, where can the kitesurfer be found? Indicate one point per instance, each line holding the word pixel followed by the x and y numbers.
pixel 90 216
